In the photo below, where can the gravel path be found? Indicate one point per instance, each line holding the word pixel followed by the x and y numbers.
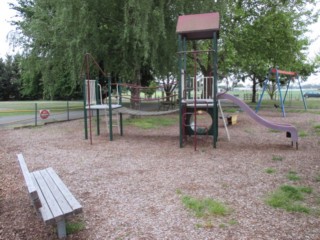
pixel 131 188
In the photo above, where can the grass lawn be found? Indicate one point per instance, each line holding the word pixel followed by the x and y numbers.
pixel 293 103
pixel 14 108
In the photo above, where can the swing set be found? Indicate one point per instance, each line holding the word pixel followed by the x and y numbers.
pixel 275 72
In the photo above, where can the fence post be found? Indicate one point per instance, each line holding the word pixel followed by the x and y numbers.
pixel 36 114
pixel 68 118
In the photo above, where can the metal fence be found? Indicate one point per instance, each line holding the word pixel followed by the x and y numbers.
pixel 38 113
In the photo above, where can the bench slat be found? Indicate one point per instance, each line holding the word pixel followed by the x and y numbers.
pixel 59 197
pixel 75 205
pixel 44 210
pixel 30 184
pixel 48 197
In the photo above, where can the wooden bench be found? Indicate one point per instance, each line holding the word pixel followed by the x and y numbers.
pixel 50 196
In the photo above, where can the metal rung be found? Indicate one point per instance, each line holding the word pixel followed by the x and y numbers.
pixel 115 122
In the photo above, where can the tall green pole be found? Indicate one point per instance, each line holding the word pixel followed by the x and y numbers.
pixel 110 107
pixel 120 103
pixel 85 110
pixel 215 89
pixel 68 111
pixel 98 100
pixel 180 88
pixel 35 114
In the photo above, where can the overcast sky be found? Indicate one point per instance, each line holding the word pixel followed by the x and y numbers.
pixel 6 15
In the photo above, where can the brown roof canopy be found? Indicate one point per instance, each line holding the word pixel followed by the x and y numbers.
pixel 198 26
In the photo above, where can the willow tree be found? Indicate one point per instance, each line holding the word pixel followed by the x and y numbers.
pixel 123 36
pixel 43 36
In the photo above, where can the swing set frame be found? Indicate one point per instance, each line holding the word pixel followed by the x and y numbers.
pixel 276 72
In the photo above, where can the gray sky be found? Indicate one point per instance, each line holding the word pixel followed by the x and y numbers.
pixel 6 15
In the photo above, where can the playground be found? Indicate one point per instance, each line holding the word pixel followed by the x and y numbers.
pixel 133 187
pixel 175 179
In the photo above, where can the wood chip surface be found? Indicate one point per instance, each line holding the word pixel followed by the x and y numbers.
pixel 131 188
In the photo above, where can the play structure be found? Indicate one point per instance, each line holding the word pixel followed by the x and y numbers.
pixel 197 96
pixel 113 109
pixel 275 72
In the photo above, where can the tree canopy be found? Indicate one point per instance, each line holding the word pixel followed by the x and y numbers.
pixel 132 39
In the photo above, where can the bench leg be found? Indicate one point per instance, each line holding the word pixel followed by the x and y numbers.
pixel 61 228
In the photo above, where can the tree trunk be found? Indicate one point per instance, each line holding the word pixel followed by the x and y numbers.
pixel 135 91
pixel 254 89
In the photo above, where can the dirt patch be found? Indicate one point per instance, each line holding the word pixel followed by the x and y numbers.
pixel 131 188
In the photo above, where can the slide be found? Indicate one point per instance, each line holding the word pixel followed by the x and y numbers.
pixel 276 126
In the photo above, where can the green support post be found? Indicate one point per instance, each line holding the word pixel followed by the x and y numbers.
pixel 85 110
pixel 68 111
pixel 36 114
pixel 110 107
pixel 121 125
pixel 120 102
pixel 98 101
pixel 98 122
pixel 215 90
pixel 179 90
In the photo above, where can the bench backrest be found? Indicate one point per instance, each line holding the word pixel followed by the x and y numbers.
pixel 29 182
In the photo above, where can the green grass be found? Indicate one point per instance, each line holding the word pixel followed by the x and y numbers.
pixel 207 224
pixel 317 129
pixel 231 110
pixel 317 178
pixel 289 198
pixel 313 103
pixel 178 191
pixel 293 102
pixel 233 222
pixel 273 131
pixel 270 170
pixel 15 108
pixel 248 130
pixel 73 227
pixel 222 225
pixel 306 189
pixel 277 158
pixel 303 134
pixel 151 122
pixel 292 176
pixel 205 207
